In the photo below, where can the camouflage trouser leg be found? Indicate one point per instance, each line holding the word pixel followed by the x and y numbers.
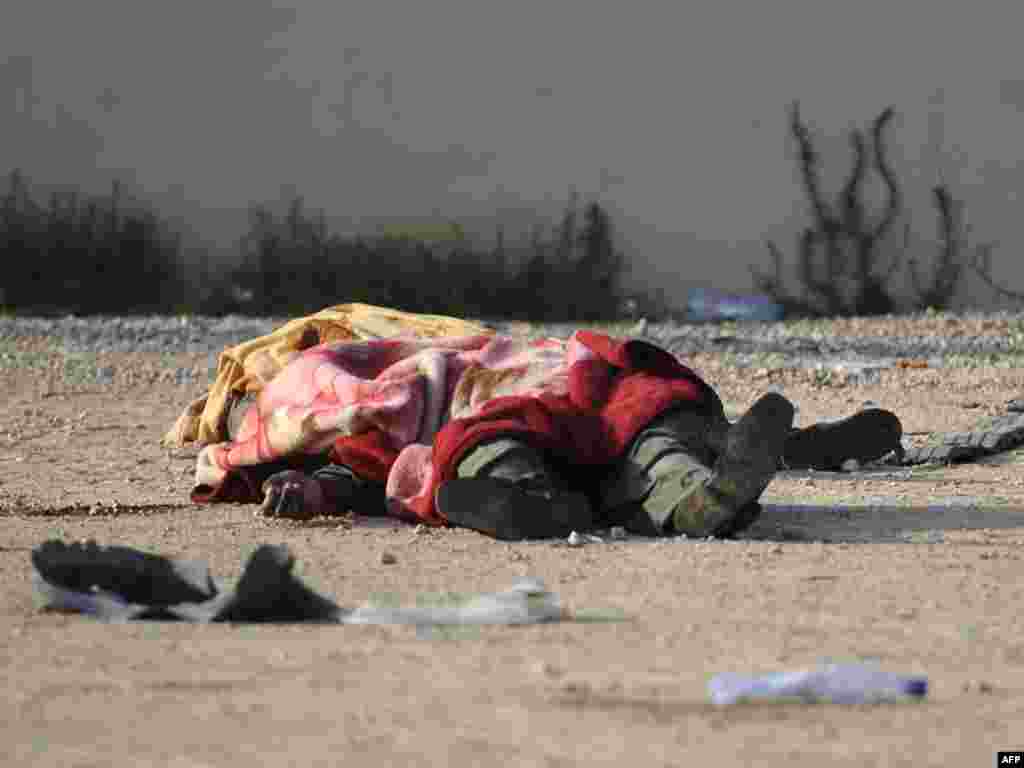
pixel 664 482
pixel 507 489
pixel 512 459
pixel 506 459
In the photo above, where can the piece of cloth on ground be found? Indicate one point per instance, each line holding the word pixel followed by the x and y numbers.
pixel 247 367
pixel 405 411
pixel 119 583
pixel 991 436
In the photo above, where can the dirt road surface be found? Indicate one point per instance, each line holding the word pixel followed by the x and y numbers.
pixel 920 569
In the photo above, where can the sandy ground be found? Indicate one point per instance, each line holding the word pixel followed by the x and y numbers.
pixel 920 570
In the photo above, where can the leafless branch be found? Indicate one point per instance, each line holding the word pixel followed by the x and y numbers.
pixel 981 264
pixel 853 210
pixel 809 166
pixel 893 202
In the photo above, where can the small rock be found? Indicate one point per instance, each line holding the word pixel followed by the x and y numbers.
pixel 579 539
pixel 981 686
pixel 850 465
pixel 577 687
pixel 549 670
pixel 386 558
pixel 420 530
pixel 617 532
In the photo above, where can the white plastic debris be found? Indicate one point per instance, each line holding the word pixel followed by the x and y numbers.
pixel 526 602
pixel 577 539
pixel 835 683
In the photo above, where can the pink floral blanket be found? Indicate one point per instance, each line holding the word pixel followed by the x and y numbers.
pixel 404 411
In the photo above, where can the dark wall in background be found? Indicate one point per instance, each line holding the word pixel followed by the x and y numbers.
pixel 387 113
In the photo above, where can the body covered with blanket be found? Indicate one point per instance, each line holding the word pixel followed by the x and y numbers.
pixel 437 420
pixel 403 412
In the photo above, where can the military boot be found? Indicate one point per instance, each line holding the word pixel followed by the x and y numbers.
pixel 673 480
pixel 867 435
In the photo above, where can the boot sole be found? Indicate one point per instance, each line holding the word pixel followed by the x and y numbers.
pixel 754 447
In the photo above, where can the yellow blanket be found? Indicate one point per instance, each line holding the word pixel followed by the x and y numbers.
pixel 248 367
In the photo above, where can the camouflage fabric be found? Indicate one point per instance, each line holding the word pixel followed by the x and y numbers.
pixel 665 478
pixel 662 485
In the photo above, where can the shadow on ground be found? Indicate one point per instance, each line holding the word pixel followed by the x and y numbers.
pixel 877 523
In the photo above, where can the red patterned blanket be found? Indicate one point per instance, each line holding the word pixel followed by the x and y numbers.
pixel 405 411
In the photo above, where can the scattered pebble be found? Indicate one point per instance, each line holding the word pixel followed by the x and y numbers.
pixel 549 670
pixel 980 686
pixel 386 558
pixel 579 539
pixel 577 687
pixel 925 537
pixel 794 345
